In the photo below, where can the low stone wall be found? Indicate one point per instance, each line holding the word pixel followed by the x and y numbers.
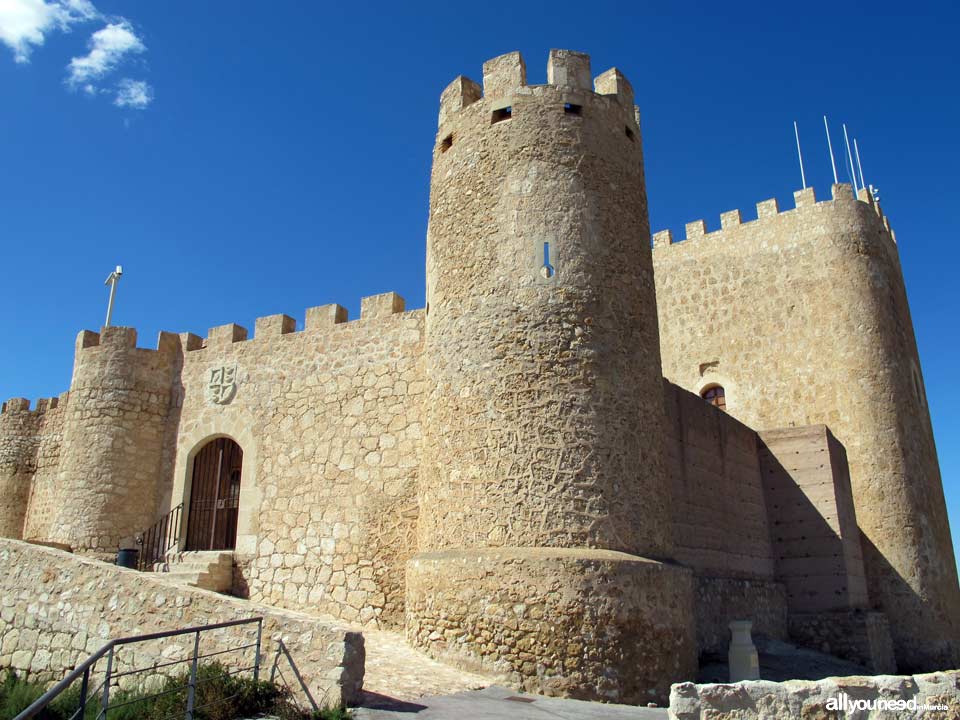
pixel 860 636
pixel 56 609
pixel 583 623
pixel 828 699
pixel 719 601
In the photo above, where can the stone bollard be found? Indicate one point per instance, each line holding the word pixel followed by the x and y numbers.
pixel 742 656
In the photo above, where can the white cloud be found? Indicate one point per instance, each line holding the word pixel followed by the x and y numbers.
pixel 108 47
pixel 26 23
pixel 136 94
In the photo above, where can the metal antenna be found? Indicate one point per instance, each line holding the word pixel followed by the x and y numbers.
pixel 857 151
pixel 112 280
pixel 853 172
pixel 833 163
pixel 803 178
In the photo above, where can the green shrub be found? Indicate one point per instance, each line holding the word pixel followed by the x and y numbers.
pixel 219 696
pixel 18 696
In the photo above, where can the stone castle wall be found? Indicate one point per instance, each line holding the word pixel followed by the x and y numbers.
pixel 29 452
pixel 329 422
pixel 719 509
pixel 815 536
pixel 509 465
pixel 44 497
pixel 19 442
pixel 802 317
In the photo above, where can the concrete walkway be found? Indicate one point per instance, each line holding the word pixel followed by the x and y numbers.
pixel 498 703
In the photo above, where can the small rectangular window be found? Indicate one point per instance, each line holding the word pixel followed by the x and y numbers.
pixel 629 133
pixel 501 115
pixel 446 144
pixel 571 109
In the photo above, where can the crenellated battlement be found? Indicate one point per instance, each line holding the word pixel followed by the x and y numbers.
pixel 769 211
pixel 505 78
pixel 41 406
pixel 124 338
pixel 321 318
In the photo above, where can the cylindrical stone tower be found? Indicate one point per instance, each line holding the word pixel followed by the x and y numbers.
pixel 113 453
pixel 544 529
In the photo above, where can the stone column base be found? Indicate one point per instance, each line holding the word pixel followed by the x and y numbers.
pixel 583 623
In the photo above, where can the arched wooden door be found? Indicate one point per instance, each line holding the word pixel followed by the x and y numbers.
pixel 215 496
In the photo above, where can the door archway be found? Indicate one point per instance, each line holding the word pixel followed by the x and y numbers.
pixel 215 496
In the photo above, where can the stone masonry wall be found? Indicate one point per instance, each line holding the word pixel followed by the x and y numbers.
pixel 19 441
pixel 802 316
pixel 544 419
pixel 814 527
pixel 720 523
pixel 808 699
pixel 44 498
pixel 56 609
pixel 590 624
pixel 719 601
pixel 857 635
pixel 328 420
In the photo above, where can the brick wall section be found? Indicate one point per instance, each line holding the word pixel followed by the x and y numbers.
pixel 719 512
pixel 813 524
pixel 802 315
pixel 56 609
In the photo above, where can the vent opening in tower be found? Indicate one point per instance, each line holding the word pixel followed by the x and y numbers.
pixel 571 109
pixel 446 143
pixel 501 115
pixel 629 133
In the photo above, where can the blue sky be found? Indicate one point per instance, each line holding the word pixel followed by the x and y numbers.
pixel 242 159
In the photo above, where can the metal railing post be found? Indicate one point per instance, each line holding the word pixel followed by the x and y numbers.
pixel 84 685
pixel 256 658
pixel 87 669
pixel 106 685
pixel 192 688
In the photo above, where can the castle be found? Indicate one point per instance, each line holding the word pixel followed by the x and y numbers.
pixel 589 453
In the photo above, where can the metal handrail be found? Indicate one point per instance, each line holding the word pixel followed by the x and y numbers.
pixel 83 669
pixel 159 539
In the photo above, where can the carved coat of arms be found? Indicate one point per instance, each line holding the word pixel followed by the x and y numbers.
pixel 222 384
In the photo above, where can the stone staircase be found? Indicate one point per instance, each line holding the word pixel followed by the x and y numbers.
pixel 209 570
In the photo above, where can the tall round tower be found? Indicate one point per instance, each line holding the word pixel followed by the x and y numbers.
pixel 544 529
pixel 114 448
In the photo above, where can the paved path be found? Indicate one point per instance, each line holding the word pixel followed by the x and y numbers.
pixel 499 703
pixel 396 671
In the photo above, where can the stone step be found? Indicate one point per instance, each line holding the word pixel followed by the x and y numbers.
pixel 210 570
